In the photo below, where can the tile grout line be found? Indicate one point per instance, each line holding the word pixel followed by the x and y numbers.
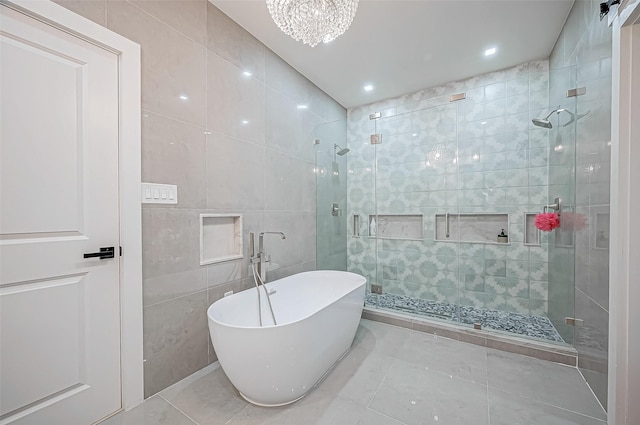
pixel 386 416
pixel 190 124
pixel 157 18
pixel 237 414
pixel 183 296
pixel 223 133
pixel 591 390
pixel 592 300
pixel 376 391
pixel 553 405
pixel 175 407
pixel 368 406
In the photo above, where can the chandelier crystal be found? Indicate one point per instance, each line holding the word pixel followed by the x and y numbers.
pixel 313 21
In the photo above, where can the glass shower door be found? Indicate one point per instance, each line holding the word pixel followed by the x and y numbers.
pixel 415 183
pixel 361 207
pixel 562 184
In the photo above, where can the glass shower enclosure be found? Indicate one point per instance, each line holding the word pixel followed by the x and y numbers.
pixel 437 210
pixel 331 195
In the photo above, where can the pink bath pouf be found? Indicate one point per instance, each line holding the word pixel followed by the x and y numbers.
pixel 547 221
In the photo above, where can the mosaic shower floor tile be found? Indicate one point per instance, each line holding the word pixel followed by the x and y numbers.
pixel 517 323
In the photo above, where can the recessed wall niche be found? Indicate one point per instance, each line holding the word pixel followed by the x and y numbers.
pixel 470 227
pixel 396 226
pixel 531 233
pixel 220 238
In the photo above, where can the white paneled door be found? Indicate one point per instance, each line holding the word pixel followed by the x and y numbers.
pixel 59 311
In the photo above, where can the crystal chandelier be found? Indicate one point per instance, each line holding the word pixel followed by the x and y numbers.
pixel 313 21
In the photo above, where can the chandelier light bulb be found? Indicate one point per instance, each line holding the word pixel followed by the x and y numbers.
pixel 313 21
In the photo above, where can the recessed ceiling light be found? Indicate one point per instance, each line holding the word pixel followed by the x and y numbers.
pixel 483 122
pixel 303 107
pixel 368 87
pixel 184 97
pixel 490 51
pixel 247 73
pixel 245 122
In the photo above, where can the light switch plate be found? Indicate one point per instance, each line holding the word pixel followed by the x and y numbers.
pixel 154 193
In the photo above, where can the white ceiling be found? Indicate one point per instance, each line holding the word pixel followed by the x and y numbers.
pixel 403 46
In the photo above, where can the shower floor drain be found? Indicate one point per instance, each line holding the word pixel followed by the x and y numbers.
pixel 517 323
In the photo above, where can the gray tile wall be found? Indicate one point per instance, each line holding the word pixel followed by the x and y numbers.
pixel 232 143
pixel 585 43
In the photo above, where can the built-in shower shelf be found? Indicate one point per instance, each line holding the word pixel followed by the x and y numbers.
pixel 471 228
pixel 220 238
pixel 532 235
pixel 396 226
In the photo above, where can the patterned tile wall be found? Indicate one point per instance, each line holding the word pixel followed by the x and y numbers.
pixel 481 154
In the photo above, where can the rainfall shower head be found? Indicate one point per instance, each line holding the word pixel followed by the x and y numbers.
pixel 342 151
pixel 544 122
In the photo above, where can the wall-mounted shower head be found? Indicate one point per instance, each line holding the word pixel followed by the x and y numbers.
pixel 544 122
pixel 541 122
pixel 342 151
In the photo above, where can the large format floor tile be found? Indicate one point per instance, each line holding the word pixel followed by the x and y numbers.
pixel 418 395
pixel 345 412
pixel 508 409
pixel 208 400
pixel 394 376
pixel 546 382
pixel 154 411
pixel 466 361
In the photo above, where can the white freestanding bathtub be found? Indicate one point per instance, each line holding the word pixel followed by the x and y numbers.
pixel 317 315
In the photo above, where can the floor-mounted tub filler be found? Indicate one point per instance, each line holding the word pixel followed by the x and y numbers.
pixel 317 315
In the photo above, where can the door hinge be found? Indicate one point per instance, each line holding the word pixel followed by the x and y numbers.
pixel 580 91
pixel 121 251
pixel 572 321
